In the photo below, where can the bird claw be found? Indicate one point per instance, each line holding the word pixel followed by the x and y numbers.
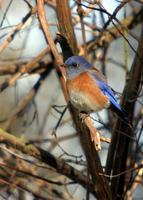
pixel 83 116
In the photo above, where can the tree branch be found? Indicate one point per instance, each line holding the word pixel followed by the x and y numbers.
pixel 118 151
pixel 94 164
pixel 44 156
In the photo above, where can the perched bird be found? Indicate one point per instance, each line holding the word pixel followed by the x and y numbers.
pixel 88 88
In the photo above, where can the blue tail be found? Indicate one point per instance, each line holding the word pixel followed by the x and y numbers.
pixel 120 113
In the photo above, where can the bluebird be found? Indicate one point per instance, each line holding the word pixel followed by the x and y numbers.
pixel 88 88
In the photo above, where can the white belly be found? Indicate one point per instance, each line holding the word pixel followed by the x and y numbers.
pixel 79 100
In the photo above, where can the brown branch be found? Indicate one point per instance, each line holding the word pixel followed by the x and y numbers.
pixel 26 100
pixel 24 69
pixel 118 151
pixel 38 186
pixel 11 36
pixel 118 8
pixel 65 24
pixel 58 164
pixel 9 69
pixel 81 14
pixel 101 184
pixel 48 36
pixel 12 68
pixel 111 34
pixel 45 27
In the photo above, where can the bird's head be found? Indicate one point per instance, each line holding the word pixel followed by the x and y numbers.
pixel 75 65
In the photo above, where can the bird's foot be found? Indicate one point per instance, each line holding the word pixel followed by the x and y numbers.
pixel 83 116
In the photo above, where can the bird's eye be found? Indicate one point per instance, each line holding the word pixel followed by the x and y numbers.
pixel 74 64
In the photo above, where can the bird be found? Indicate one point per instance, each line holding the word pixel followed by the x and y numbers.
pixel 88 88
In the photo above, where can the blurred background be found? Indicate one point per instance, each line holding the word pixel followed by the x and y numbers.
pixel 36 118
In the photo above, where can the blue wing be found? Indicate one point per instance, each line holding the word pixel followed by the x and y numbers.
pixel 105 89
pixel 108 92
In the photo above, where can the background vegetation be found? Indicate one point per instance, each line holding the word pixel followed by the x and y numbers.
pixel 45 146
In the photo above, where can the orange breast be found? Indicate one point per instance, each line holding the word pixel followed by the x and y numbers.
pixel 85 93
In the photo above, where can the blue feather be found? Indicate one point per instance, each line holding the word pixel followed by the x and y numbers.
pixel 108 92
pixel 114 104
